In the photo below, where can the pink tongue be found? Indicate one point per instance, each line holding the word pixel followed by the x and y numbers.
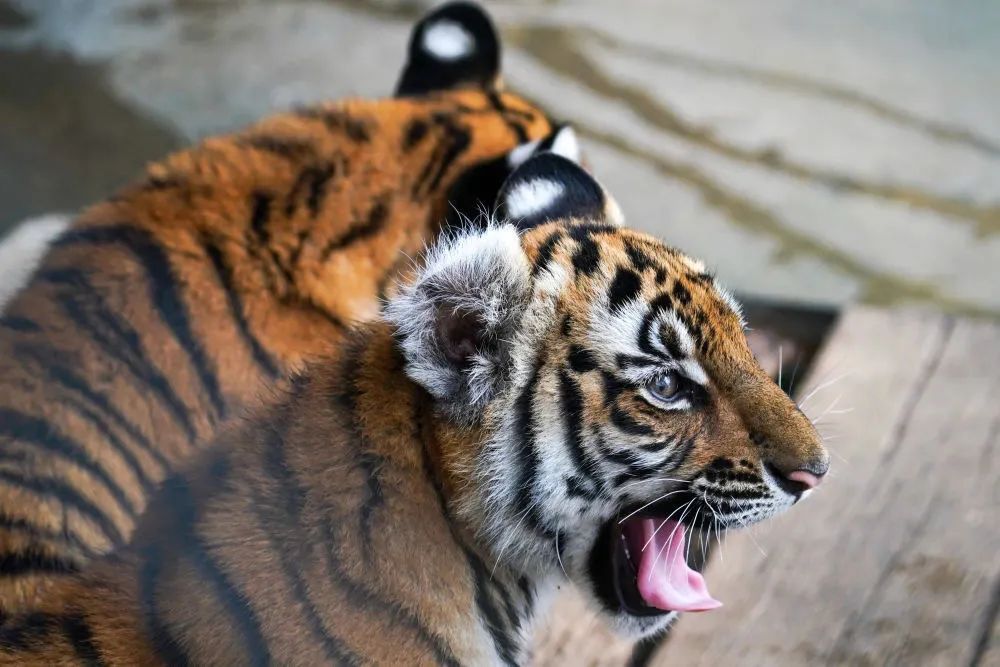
pixel 665 580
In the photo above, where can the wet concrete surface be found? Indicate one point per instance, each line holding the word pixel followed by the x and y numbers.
pixel 65 140
pixel 817 152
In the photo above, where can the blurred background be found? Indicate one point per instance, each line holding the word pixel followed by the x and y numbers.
pixel 816 154
pixel 820 152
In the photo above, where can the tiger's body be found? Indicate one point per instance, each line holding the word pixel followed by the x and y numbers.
pixel 160 312
pixel 534 401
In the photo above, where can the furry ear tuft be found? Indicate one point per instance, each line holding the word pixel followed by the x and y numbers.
pixel 476 189
pixel 550 187
pixel 455 45
pixel 456 320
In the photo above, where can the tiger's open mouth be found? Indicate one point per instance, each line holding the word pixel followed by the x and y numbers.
pixel 639 566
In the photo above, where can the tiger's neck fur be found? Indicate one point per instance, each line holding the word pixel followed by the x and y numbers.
pixel 161 311
pixel 328 508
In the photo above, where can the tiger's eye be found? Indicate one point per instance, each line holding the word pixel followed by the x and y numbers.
pixel 666 386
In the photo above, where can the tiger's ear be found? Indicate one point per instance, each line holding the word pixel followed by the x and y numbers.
pixel 456 321
pixel 476 189
pixel 456 45
pixel 549 187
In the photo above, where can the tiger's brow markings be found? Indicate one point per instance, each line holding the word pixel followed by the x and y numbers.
pixel 545 252
pixel 626 286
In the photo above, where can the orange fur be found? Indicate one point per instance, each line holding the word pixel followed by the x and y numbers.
pixel 159 313
pixel 322 530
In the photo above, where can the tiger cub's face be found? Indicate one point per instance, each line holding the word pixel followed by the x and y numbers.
pixel 604 396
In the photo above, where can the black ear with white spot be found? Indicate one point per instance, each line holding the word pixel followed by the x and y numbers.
pixel 457 320
pixel 476 189
pixel 456 45
pixel 549 187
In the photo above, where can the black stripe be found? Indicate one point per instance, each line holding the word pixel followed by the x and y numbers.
pixel 502 641
pixel 177 495
pixel 25 428
pixel 496 101
pixel 581 360
pixel 224 275
pixel 624 288
pixel 414 133
pixel 571 399
pixel 260 213
pixel 628 424
pixel 32 561
pixel 640 260
pixel 39 534
pixel 312 181
pixel 527 456
pixel 118 340
pixel 374 497
pixel 626 361
pixel 99 423
pixel 368 460
pixel 587 258
pixel 19 324
pixel 454 142
pixel 77 631
pixel 271 517
pixel 68 496
pixel 26 632
pixel 495 625
pixel 45 357
pixel 634 466
pixel 681 293
pixel 545 252
pixel 289 148
pixel 163 289
pixel 358 130
pixel 657 306
pixel 374 221
pixel 575 488
pixel 164 644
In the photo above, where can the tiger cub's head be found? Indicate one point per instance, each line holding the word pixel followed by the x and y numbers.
pixel 600 397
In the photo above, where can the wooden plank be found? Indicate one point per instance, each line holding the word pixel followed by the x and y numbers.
pixel 572 635
pixel 896 559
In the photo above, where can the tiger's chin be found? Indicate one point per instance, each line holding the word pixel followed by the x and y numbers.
pixel 637 571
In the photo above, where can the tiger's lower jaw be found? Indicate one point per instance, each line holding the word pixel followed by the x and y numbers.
pixel 640 576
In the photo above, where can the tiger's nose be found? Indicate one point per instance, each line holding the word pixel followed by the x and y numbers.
pixel 799 481
pixel 805 478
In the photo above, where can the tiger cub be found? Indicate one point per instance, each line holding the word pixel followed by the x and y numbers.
pixel 161 311
pixel 553 398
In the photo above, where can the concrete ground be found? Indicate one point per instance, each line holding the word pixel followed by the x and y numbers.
pixel 818 152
